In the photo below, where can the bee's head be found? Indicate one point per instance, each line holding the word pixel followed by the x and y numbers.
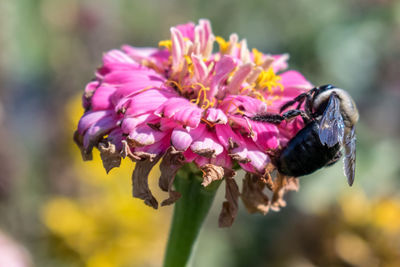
pixel 348 107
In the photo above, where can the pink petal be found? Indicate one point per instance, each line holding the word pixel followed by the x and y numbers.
pixel 98 130
pixel 190 156
pixel 226 136
pixel 222 70
pixel 177 48
pixel 122 76
pixel 293 82
pixel 130 123
pixel 187 30
pixel 157 148
pixel 133 88
pixel 248 104
pixel 139 53
pixel 239 77
pixel 147 102
pixel 265 135
pixel 280 62
pixel 222 159
pixel 181 110
pixel 258 159
pixel 200 68
pixel 101 98
pixel 116 56
pixel 201 161
pixel 92 117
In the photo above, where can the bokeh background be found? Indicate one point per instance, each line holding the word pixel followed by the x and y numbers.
pixel 56 210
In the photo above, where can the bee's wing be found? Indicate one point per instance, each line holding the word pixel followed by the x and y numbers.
pixel 350 155
pixel 331 127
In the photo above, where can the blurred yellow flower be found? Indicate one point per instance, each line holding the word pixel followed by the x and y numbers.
pixel 103 224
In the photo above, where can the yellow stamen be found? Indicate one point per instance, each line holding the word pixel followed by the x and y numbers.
pixel 190 66
pixel 257 57
pixel 223 45
pixel 165 43
pixel 268 79
pixel 209 123
pixel 147 88
pixel 175 85
pixel 202 97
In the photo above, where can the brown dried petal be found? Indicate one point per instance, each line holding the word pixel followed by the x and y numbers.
pixel 110 156
pixel 140 180
pixel 206 152
pixel 253 196
pixel 239 158
pixel 211 173
pixel 86 154
pixel 282 185
pixel 171 163
pixel 136 156
pixel 230 207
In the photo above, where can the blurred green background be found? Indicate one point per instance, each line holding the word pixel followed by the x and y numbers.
pixel 65 212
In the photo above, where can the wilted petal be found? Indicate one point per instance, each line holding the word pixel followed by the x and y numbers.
pixel 211 173
pixel 207 145
pixel 231 206
pixel 78 139
pixel 253 196
pixel 110 156
pixel 140 186
pixel 215 115
pixel 181 139
pixel 144 135
pixel 170 164
pixel 282 184
pixel 96 132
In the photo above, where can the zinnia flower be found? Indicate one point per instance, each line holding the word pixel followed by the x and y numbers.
pixel 182 103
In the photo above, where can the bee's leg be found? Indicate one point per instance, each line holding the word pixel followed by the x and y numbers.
pixel 269 117
pixel 300 99
pixel 335 159
pixel 291 114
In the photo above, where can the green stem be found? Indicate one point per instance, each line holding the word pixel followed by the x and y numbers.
pixel 189 214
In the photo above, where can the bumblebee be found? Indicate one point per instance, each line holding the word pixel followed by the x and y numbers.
pixel 330 115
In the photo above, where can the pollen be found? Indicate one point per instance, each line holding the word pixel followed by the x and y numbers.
pixel 223 45
pixel 257 57
pixel 268 79
pixel 165 43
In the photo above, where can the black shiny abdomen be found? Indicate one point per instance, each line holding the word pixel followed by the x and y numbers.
pixel 305 154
